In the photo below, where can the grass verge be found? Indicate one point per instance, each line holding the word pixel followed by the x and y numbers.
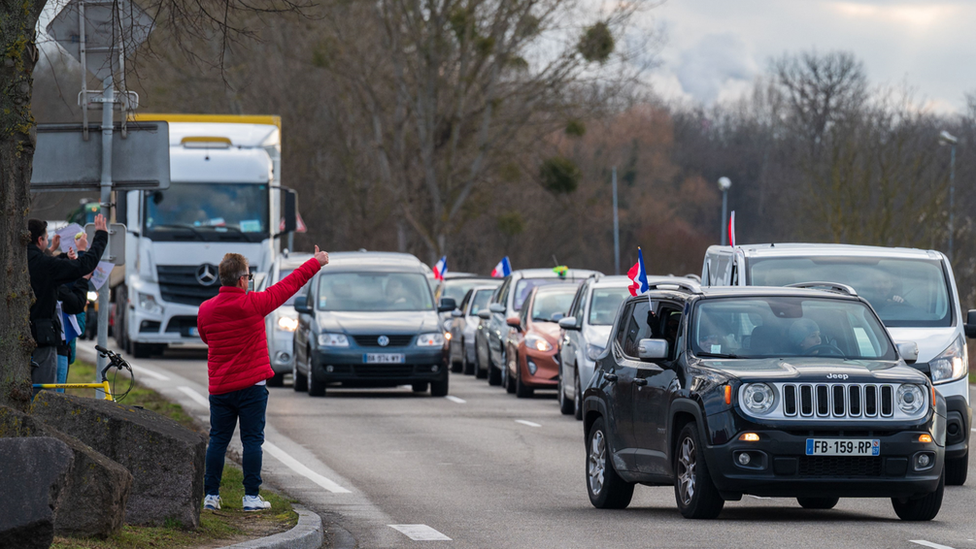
pixel 230 524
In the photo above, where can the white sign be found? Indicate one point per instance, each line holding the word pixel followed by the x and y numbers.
pixel 68 237
pixel 100 274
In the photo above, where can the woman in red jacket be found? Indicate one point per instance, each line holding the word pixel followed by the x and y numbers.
pixel 232 326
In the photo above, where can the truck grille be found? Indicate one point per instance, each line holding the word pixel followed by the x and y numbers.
pixel 178 284
pixel 838 400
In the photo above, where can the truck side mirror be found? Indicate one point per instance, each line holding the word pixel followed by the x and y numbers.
pixel 290 210
pixel 970 325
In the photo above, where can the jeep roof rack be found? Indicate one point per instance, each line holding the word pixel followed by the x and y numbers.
pixel 835 287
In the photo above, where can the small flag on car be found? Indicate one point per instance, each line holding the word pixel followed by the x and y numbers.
pixel 503 269
pixel 732 229
pixel 440 268
pixel 638 275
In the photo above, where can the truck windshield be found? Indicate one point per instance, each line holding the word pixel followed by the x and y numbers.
pixel 788 327
pixel 904 292
pixel 207 211
pixel 374 292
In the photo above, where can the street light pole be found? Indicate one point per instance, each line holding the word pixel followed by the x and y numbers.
pixel 616 227
pixel 723 184
pixel 947 138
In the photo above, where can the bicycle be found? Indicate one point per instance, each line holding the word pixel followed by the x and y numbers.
pixel 115 360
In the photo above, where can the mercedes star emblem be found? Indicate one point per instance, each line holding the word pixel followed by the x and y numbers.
pixel 207 274
pixel 383 341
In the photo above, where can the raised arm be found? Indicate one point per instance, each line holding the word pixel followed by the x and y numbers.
pixel 276 295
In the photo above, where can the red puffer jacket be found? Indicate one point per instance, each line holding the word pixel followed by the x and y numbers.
pixel 232 325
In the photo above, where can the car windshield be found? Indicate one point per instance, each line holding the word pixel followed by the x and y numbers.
pixel 547 304
pixel 481 299
pixel 525 285
pixel 604 303
pixel 373 291
pixel 208 211
pixel 904 292
pixel 456 288
pixel 788 327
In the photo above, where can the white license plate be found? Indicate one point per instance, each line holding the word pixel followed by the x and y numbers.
pixel 843 447
pixel 383 358
pixel 194 332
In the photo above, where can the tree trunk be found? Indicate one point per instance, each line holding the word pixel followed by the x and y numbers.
pixel 17 138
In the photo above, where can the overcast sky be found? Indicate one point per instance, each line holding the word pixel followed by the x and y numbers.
pixel 714 48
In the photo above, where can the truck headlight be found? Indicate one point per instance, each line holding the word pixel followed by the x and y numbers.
pixel 148 303
pixel 537 343
pixel 287 324
pixel 434 339
pixel 593 352
pixel 951 365
pixel 910 398
pixel 333 340
pixel 758 398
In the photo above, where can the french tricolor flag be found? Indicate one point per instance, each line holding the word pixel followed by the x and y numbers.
pixel 503 269
pixel 638 275
pixel 440 268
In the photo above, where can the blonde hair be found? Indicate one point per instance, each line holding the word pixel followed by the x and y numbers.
pixel 232 268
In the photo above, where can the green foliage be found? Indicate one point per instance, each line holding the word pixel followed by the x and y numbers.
pixel 575 128
pixel 560 175
pixel 511 223
pixel 597 43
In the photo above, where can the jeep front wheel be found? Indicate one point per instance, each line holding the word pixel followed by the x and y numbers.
pixel 604 486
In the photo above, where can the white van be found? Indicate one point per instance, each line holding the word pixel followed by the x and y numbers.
pixel 913 291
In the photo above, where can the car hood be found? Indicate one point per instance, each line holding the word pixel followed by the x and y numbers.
pixel 931 341
pixel 817 369
pixel 548 330
pixel 378 322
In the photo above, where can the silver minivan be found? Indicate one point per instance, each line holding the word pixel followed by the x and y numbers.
pixel 913 291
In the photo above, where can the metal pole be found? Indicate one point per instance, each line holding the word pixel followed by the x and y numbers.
pixel 108 113
pixel 725 203
pixel 952 193
pixel 616 226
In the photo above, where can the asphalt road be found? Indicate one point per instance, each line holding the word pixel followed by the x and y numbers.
pixel 488 470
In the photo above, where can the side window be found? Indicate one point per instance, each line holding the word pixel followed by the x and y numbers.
pixel 622 324
pixel 503 292
pixel 638 327
pixel 464 302
pixel 670 318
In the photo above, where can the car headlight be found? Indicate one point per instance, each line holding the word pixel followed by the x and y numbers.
pixel 951 365
pixel 758 398
pixel 434 339
pixel 148 303
pixel 333 340
pixel 593 352
pixel 538 343
pixel 910 398
pixel 287 324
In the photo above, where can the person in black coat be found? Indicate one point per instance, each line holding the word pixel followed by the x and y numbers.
pixel 47 273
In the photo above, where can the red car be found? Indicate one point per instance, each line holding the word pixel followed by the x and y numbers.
pixel 533 351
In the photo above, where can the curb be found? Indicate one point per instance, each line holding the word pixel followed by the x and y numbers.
pixel 307 534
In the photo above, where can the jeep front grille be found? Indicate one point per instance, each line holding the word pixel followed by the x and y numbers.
pixel 837 402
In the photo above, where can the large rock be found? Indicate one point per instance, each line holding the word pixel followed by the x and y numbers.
pixel 166 459
pixel 35 473
pixel 98 488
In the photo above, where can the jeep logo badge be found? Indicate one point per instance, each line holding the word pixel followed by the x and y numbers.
pixel 837 376
pixel 383 341
pixel 207 274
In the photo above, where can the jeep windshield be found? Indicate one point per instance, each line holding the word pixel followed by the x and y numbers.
pixel 904 292
pixel 784 326
pixel 374 291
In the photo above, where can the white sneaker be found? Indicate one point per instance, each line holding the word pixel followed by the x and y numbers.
pixel 255 503
pixel 211 502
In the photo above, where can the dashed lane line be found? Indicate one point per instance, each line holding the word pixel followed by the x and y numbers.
pixel 419 532
pixel 929 544
pixel 529 423
pixel 195 396
pixel 453 398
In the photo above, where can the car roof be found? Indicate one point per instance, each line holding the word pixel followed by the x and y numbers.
pixel 712 292
pixel 373 261
pixel 623 281
pixel 293 260
pixel 797 249
pixel 555 289
pixel 549 273
pixel 467 279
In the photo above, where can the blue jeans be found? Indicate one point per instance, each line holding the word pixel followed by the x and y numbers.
pixel 248 405
pixel 62 371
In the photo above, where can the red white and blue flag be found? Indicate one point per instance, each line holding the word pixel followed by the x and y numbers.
pixel 732 229
pixel 440 268
pixel 503 269
pixel 638 275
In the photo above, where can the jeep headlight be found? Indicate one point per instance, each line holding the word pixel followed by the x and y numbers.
pixel 287 324
pixel 148 303
pixel 435 339
pixel 910 398
pixel 593 352
pixel 951 365
pixel 758 398
pixel 333 340
pixel 537 343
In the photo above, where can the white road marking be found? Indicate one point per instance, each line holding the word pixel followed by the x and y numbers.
pixel 297 466
pixel 151 373
pixel 529 423
pixel 453 398
pixel 929 544
pixel 419 532
pixel 197 397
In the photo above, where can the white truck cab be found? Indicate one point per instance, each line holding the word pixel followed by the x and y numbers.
pixel 912 290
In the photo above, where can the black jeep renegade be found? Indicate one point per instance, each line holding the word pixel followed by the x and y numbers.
pixel 788 392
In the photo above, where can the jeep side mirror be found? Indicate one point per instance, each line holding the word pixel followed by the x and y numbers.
pixel 652 349
pixel 970 325
pixel 447 304
pixel 301 305
pixel 496 308
pixel 908 351
pixel 484 314
pixel 568 323
pixel 514 322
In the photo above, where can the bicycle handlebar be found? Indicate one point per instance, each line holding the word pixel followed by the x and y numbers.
pixel 114 360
